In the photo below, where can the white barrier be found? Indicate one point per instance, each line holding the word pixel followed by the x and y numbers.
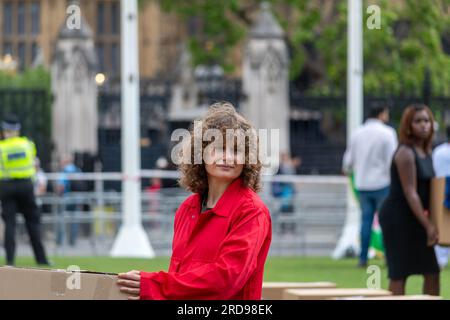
pixel 313 228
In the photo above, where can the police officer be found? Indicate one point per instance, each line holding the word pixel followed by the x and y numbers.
pixel 17 170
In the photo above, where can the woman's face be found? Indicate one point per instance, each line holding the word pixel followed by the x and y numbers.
pixel 421 125
pixel 225 164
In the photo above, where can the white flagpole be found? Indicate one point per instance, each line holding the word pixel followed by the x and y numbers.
pixel 350 235
pixel 132 241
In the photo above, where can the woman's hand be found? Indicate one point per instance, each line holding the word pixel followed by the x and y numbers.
pixel 432 235
pixel 130 283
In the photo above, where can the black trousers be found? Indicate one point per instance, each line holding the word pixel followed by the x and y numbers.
pixel 18 195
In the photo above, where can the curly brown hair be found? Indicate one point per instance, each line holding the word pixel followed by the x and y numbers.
pixel 221 116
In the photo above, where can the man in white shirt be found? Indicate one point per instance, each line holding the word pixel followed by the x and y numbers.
pixel 369 158
pixel 441 163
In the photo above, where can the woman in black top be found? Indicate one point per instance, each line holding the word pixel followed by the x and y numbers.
pixel 408 233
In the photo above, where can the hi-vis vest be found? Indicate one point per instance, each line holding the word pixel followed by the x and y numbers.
pixel 17 156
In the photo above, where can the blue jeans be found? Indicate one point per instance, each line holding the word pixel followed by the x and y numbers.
pixel 370 202
pixel 73 227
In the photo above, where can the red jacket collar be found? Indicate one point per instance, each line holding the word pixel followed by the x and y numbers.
pixel 227 200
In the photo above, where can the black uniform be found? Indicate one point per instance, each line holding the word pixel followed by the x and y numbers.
pixel 17 190
pixel 405 239
pixel 18 195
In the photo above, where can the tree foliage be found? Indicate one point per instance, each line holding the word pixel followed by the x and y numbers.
pixel 33 79
pixel 411 39
pixel 38 78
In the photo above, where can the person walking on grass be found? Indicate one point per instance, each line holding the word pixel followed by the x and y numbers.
pixel 368 158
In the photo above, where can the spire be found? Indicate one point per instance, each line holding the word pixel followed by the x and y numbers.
pixel 266 25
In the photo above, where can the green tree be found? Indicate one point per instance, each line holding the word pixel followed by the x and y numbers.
pixel 223 23
pixel 38 78
pixel 395 56
pixel 33 79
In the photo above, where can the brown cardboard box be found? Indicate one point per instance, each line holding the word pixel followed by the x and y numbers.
pixel 323 294
pixel 42 284
pixel 439 214
pixel 274 290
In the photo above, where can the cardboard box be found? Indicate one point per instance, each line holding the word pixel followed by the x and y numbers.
pixel 439 214
pixel 42 284
pixel 323 294
pixel 410 297
pixel 274 290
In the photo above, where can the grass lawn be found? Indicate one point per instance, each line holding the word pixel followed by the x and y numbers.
pixel 343 272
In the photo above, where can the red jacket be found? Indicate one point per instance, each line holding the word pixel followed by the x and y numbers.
pixel 219 254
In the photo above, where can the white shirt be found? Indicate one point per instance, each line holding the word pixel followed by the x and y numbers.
pixel 441 160
pixel 369 155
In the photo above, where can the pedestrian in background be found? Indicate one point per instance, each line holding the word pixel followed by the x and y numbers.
pixel 64 188
pixel 17 171
pixel 285 191
pixel 368 158
pixel 408 233
pixel 441 162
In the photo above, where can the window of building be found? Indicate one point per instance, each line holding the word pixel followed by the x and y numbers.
pixel 7 18
pixel 7 48
pixel 101 57
pixel 21 18
pixel 35 18
pixel 100 18
pixel 115 17
pixel 22 55
pixel 20 23
pixel 108 36
pixel 115 58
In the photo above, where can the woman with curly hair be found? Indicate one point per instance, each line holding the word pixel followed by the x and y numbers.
pixel 222 232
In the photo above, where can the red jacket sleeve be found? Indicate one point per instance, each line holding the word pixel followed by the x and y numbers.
pixel 218 280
